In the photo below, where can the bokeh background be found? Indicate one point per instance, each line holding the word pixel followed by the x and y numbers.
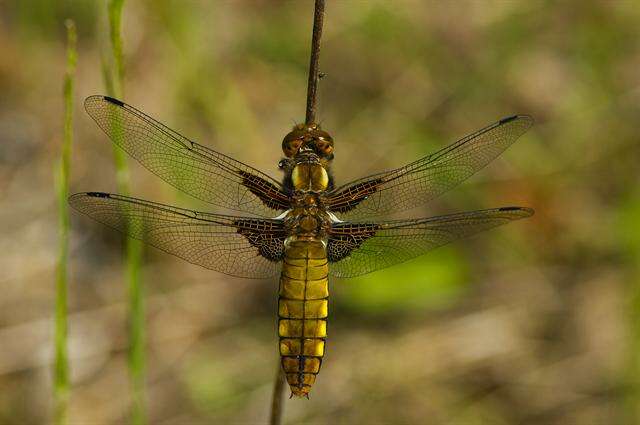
pixel 535 322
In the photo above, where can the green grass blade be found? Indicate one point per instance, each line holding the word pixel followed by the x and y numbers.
pixel 115 24
pixel 61 371
pixel 629 238
pixel 136 330
pixel 114 83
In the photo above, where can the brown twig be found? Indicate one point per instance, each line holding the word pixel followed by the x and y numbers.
pixel 312 88
pixel 278 397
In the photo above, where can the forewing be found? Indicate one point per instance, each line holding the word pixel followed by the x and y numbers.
pixel 197 170
pixel 237 246
pixel 423 180
pixel 357 248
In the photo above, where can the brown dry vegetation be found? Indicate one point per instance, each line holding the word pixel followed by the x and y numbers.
pixel 532 323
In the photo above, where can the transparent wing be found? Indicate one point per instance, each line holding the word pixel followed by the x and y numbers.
pixel 423 180
pixel 357 248
pixel 199 171
pixel 237 246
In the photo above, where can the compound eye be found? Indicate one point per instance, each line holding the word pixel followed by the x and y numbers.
pixel 291 147
pixel 324 147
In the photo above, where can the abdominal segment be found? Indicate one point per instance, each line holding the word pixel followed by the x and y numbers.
pixel 302 313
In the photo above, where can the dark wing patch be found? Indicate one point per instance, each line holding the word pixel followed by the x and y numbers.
pixel 351 196
pixel 423 180
pixel 347 237
pixel 260 234
pixel 270 194
pixel 195 169
pixel 359 248
pixel 235 246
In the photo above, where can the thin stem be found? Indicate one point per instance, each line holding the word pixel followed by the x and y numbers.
pixel 278 397
pixel 115 23
pixel 133 248
pixel 61 375
pixel 312 88
pixel 137 358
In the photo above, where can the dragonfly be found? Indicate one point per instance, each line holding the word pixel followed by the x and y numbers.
pixel 304 228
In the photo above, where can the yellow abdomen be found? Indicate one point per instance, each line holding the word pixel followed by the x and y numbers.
pixel 302 312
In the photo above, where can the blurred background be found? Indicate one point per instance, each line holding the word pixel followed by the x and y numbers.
pixel 534 322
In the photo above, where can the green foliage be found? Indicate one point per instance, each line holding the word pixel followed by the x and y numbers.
pixel 41 18
pixel 214 388
pixel 277 41
pixel 61 373
pixel 429 282
pixel 629 236
pixel 629 225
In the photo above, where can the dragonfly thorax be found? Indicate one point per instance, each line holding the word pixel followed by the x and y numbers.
pixel 307 218
pixel 309 176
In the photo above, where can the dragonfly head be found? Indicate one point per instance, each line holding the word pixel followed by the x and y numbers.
pixel 308 137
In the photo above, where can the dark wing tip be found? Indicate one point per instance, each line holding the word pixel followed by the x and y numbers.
pixel 524 211
pixel 505 120
pixel 526 121
pixel 96 98
pixel 98 194
pixel 81 195
pixel 113 100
